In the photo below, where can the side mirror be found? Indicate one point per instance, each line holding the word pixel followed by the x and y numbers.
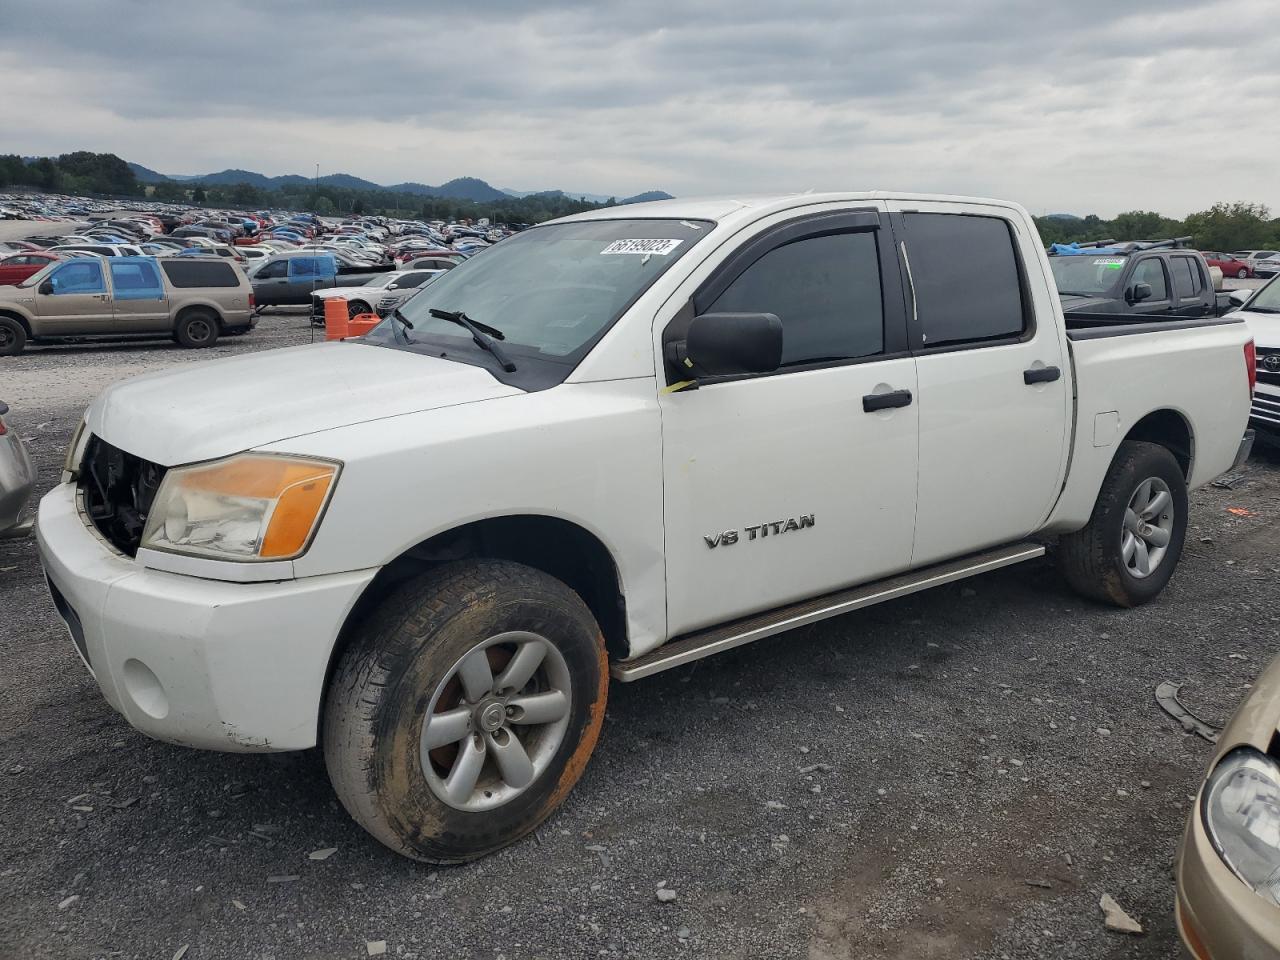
pixel 724 344
pixel 1238 297
pixel 46 288
pixel 1140 292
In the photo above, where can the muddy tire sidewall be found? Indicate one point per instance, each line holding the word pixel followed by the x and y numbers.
pixel 433 622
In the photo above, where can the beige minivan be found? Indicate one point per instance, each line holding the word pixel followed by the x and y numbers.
pixel 191 299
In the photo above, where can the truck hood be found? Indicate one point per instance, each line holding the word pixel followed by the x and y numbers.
pixel 1265 327
pixel 215 408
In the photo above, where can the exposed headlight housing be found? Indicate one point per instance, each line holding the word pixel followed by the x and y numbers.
pixel 249 507
pixel 75 452
pixel 1241 811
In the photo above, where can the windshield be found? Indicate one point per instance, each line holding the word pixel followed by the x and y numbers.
pixel 552 291
pixel 1266 300
pixel 39 275
pixel 1085 275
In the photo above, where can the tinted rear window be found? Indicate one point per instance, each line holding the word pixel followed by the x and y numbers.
pixel 197 273
pixel 965 276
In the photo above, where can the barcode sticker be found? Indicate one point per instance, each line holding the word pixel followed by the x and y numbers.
pixel 660 247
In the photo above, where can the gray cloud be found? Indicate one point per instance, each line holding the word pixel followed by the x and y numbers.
pixel 1059 105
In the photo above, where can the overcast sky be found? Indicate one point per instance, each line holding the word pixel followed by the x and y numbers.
pixel 1064 106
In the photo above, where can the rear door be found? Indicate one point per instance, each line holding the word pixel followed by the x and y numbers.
pixel 993 377
pixel 79 301
pixel 307 274
pixel 141 304
pixel 1190 286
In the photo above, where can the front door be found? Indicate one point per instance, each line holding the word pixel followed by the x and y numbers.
pixel 993 377
pixel 1151 271
pixel 140 302
pixel 78 301
pixel 783 486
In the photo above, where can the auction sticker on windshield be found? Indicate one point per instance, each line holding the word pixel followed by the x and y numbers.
pixel 1109 262
pixel 660 247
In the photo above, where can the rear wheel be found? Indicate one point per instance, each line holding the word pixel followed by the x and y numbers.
pixel 1128 550
pixel 465 710
pixel 196 328
pixel 13 337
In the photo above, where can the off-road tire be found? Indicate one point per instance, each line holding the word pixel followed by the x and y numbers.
pixel 13 337
pixel 1091 558
pixel 380 691
pixel 196 329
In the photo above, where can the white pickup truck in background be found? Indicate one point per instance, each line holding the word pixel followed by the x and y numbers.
pixel 614 443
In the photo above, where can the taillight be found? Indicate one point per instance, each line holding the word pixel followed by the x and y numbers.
pixel 1251 365
pixel 252 302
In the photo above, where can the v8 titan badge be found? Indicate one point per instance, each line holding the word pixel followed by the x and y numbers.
pixel 760 531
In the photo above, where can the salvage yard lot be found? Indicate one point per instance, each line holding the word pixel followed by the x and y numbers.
pixel 959 773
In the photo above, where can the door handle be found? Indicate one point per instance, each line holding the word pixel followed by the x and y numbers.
pixel 883 401
pixel 1040 375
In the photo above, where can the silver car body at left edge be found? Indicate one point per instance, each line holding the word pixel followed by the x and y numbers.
pixel 17 479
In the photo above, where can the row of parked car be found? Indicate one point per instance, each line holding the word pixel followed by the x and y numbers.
pixel 199 274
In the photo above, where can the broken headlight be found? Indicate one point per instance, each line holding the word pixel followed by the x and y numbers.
pixel 1241 810
pixel 75 452
pixel 248 507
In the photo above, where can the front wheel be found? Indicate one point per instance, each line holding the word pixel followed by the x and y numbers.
pixel 1128 550
pixel 13 337
pixel 357 307
pixel 465 709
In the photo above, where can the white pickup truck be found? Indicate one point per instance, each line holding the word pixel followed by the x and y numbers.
pixel 613 444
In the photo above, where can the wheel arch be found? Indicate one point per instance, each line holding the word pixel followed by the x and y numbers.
pixel 558 547
pixel 22 318
pixel 197 306
pixel 1170 429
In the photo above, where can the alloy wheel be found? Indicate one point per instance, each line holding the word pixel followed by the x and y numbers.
pixel 495 721
pixel 1148 527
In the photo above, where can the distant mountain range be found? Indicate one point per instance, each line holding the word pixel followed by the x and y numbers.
pixel 461 188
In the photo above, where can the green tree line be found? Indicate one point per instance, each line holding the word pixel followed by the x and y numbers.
pixel 80 172
pixel 1224 226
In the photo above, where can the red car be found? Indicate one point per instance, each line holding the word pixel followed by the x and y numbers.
pixel 18 266
pixel 1229 265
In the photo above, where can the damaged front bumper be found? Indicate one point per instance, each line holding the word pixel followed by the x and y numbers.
pixel 202 663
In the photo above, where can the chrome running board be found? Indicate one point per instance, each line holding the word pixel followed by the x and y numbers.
pixel 695 646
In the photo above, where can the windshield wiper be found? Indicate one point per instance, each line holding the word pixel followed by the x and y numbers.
pixel 485 336
pixel 397 315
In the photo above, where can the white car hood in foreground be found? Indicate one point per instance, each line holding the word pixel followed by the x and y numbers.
pixel 213 409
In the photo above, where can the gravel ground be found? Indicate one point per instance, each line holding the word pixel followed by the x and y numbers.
pixel 961 773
